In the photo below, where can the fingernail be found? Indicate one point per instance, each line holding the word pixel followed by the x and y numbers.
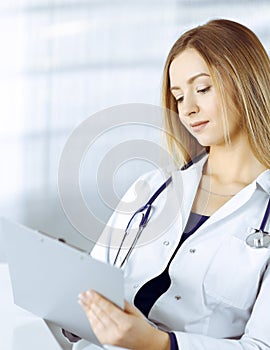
pixel 90 294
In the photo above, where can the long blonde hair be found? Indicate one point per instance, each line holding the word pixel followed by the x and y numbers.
pixel 233 54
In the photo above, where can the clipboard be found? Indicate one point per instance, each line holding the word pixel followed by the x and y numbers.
pixel 47 276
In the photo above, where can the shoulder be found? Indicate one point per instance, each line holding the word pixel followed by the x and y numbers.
pixel 146 184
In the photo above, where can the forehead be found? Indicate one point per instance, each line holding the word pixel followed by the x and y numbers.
pixel 186 65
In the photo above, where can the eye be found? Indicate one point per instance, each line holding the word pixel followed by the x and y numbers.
pixel 204 90
pixel 179 99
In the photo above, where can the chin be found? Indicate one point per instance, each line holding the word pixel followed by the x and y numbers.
pixel 204 143
pixel 208 142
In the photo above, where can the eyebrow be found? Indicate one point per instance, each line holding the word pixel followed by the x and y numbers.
pixel 191 80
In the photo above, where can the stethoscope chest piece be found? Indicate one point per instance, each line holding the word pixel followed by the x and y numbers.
pixel 258 239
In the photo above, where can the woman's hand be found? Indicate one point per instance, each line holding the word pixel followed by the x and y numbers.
pixel 126 328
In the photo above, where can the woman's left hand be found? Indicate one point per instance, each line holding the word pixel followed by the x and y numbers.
pixel 126 328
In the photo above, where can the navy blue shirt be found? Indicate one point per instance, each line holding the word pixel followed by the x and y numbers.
pixel 153 289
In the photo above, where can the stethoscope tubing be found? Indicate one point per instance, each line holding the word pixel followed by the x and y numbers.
pixel 265 217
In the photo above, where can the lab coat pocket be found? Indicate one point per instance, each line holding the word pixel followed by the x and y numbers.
pixel 233 275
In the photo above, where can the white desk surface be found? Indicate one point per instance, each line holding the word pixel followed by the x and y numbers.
pixel 19 329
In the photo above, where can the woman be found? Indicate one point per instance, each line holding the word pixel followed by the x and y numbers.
pixel 198 285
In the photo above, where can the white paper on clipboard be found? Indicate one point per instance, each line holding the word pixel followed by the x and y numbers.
pixel 47 276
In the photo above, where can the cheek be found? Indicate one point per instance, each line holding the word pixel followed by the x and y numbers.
pixel 215 107
pixel 183 120
pixel 216 115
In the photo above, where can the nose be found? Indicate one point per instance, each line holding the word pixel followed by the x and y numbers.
pixel 190 106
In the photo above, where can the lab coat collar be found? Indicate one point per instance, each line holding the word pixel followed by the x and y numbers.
pixel 263 181
pixel 186 183
pixel 239 199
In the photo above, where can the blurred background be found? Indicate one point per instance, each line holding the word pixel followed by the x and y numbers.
pixel 64 60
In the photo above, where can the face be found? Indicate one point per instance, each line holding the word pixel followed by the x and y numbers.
pixel 199 106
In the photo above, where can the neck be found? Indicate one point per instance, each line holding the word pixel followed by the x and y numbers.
pixel 233 164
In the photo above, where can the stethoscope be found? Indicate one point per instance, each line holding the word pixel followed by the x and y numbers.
pixel 258 238
pixel 144 212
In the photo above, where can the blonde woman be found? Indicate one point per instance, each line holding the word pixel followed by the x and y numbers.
pixel 202 284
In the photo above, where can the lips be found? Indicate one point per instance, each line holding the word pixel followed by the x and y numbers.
pixel 198 126
pixel 198 123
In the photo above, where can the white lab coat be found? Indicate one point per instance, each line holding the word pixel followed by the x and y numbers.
pixel 219 297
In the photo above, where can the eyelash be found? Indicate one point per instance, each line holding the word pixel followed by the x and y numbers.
pixel 202 91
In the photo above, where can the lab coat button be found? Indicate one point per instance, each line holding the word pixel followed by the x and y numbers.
pixel 177 297
pixel 192 250
pixel 166 243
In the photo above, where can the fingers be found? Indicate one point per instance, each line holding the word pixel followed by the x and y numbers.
pixel 97 302
pixel 104 316
pixel 99 309
pixel 92 299
pixel 127 328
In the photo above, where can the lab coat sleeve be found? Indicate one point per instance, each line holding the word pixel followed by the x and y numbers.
pixel 257 331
